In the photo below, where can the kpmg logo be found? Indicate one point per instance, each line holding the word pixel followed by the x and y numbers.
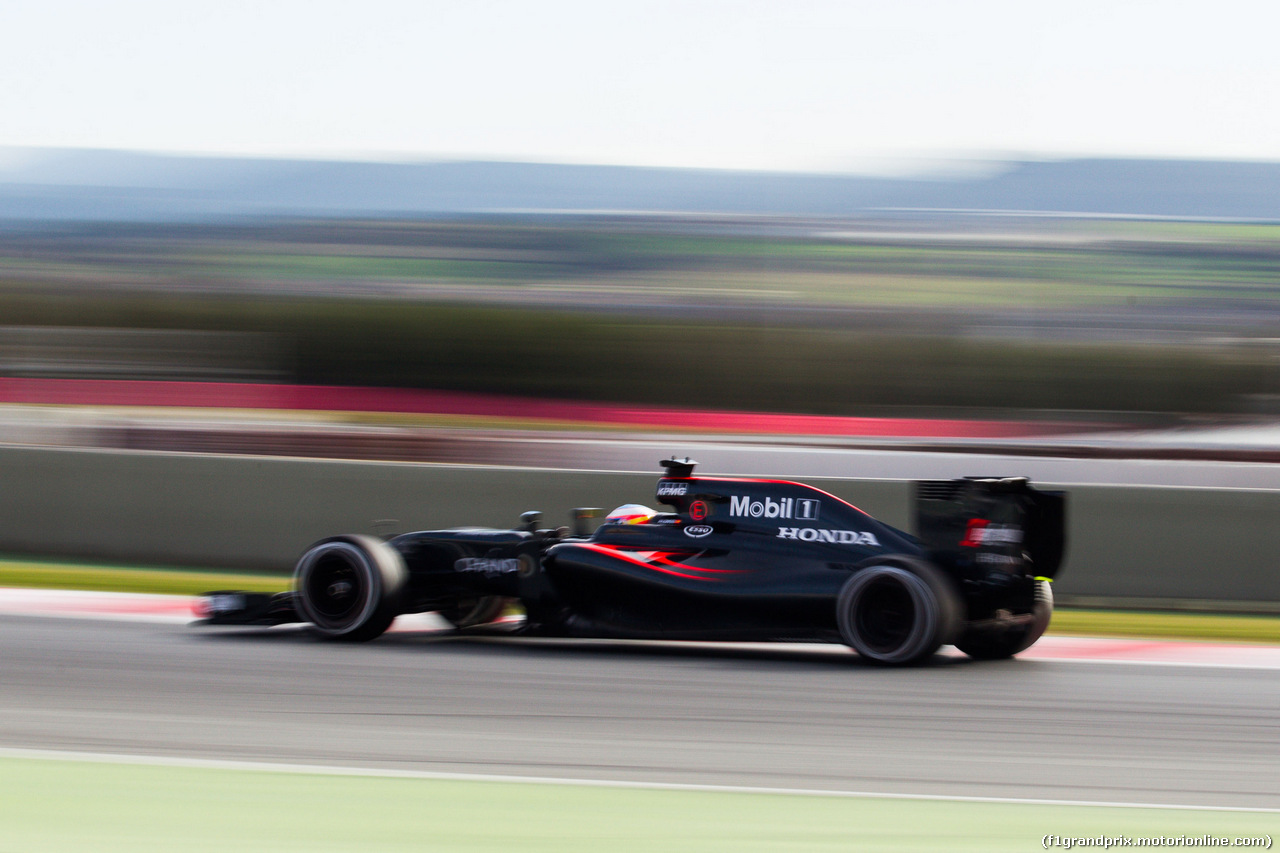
pixel 801 509
pixel 672 490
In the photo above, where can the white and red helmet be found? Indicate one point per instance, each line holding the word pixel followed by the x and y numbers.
pixel 630 514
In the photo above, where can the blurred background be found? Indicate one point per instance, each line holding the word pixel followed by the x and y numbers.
pixel 998 212
pixel 1081 289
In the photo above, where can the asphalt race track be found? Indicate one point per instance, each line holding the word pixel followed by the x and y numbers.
pixel 814 720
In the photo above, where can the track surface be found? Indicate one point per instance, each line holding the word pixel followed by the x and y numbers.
pixel 641 712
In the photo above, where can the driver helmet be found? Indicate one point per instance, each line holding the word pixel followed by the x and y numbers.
pixel 630 514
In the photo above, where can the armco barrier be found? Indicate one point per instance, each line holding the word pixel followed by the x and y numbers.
pixel 1124 543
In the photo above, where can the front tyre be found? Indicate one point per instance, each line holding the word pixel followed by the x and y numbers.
pixel 995 643
pixel 898 614
pixel 350 587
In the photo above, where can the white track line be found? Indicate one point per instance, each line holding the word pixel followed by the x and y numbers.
pixel 375 772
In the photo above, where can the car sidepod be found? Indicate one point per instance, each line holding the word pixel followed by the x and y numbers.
pixel 737 558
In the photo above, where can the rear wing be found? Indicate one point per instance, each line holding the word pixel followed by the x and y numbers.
pixel 992 523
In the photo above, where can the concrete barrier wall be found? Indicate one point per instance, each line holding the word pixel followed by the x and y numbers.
pixel 258 512
pixel 1173 543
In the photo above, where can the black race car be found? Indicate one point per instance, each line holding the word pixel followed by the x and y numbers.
pixel 733 559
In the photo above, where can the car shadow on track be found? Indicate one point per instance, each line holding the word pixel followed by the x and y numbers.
pixel 811 654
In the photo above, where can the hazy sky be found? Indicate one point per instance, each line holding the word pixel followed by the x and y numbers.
pixel 777 85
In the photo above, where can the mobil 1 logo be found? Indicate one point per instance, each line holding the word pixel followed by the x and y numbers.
pixel 801 509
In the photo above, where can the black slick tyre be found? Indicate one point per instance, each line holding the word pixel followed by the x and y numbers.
pixel 995 643
pixel 350 587
pixel 898 614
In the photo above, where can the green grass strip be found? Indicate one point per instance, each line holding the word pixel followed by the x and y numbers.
pixel 62 805
pixel 42 575
pixel 1184 626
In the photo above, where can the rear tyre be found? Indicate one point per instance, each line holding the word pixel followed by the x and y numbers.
pixel 1001 643
pixel 350 587
pixel 899 614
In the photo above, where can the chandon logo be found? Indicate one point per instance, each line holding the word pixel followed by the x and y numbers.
pixel 486 566
pixel 804 509
pixel 836 537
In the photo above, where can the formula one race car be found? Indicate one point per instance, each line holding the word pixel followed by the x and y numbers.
pixel 734 559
